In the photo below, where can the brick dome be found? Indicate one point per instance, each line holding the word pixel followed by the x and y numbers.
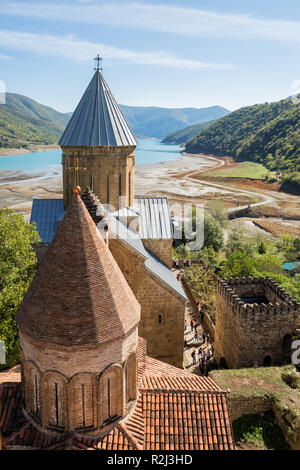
pixel 79 295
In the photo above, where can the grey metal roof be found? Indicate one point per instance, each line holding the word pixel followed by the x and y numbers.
pixel 97 120
pixel 46 213
pixel 155 220
pixel 124 233
pixel 153 264
pixel 165 274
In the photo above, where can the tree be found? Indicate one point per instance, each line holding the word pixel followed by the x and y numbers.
pixel 213 234
pixel 181 252
pixel 237 242
pixel 238 264
pixel 218 211
pixel 17 268
pixel 262 248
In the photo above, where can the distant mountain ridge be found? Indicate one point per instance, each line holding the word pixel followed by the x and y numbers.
pixel 24 122
pixel 158 122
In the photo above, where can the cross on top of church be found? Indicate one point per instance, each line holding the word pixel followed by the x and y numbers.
pixel 76 170
pixel 98 63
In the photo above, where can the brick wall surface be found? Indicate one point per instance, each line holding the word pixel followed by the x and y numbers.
pixel 63 385
pixel 165 338
pixel 102 164
pixel 161 248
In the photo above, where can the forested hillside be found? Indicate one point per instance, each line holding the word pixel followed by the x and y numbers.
pixel 266 133
pixel 23 121
pixel 182 136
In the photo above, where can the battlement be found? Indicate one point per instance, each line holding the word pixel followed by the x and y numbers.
pixel 257 297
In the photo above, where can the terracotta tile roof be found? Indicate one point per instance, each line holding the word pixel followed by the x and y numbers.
pixel 116 439
pixel 186 420
pixel 78 270
pixel 175 410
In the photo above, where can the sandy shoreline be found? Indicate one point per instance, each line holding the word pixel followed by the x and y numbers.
pixel 4 152
pixel 17 189
pixel 173 178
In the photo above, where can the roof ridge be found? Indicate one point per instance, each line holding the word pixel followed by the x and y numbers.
pixel 129 435
pixel 177 390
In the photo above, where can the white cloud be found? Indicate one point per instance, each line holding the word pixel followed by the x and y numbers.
pixel 165 18
pixel 69 47
pixel 4 57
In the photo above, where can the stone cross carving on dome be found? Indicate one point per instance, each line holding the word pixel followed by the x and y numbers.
pixel 76 170
pixel 98 63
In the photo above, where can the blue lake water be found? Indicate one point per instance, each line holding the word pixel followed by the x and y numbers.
pixel 149 151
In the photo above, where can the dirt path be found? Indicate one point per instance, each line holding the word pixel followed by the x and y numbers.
pixel 189 338
pixel 218 163
pixel 266 199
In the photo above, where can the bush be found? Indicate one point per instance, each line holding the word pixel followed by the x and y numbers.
pixel 17 268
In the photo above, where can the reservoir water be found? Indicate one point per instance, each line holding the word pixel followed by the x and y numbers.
pixel 148 152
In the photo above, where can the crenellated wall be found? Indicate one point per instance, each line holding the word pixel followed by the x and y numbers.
pixel 247 333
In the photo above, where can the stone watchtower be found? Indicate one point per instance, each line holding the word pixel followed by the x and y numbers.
pixel 100 144
pixel 255 322
pixel 78 326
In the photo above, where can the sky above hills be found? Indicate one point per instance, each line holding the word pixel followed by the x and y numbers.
pixel 171 53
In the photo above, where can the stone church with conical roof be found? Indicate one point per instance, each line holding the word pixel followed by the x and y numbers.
pixel 86 380
pixel 98 154
pixel 103 306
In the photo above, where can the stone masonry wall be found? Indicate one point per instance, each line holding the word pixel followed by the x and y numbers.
pixel 103 165
pixel 162 311
pixel 62 385
pixel 247 333
pixel 239 406
pixel 161 248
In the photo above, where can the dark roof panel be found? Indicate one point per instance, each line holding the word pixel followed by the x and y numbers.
pixel 97 120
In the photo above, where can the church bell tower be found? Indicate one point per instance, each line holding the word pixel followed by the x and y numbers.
pixel 99 146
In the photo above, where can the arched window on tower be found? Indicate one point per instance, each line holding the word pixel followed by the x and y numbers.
pixel 54 401
pixel 82 401
pixel 107 189
pixel 129 187
pixel 130 377
pixel 32 389
pixel 120 185
pixel 111 394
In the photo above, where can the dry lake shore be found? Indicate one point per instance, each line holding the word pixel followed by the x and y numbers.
pixel 174 179
pixel 17 189
pixel 34 148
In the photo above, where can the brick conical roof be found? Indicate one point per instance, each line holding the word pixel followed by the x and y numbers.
pixel 79 294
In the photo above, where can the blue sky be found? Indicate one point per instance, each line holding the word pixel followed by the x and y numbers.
pixel 171 53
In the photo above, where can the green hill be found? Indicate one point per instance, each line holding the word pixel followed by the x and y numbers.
pixel 23 121
pixel 266 133
pixel 157 122
pixel 182 136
